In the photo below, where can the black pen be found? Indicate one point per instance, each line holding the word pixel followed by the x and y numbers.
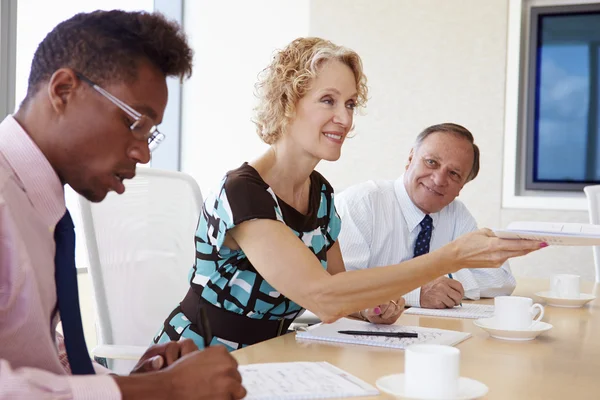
pixel 377 333
pixel 205 326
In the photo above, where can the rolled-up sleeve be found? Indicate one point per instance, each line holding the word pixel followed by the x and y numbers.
pixel 481 282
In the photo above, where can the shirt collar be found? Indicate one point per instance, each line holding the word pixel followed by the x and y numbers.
pixel 412 214
pixel 33 171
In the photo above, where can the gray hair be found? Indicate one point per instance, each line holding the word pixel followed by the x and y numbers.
pixel 456 130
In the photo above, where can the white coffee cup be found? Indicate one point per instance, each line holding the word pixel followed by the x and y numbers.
pixel 431 371
pixel 565 286
pixel 516 313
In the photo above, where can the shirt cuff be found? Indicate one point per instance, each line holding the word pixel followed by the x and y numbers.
pixel 472 294
pixel 469 283
pixel 94 387
pixel 413 299
pixel 100 369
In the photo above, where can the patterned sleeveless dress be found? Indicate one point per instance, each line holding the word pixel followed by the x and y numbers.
pixel 225 277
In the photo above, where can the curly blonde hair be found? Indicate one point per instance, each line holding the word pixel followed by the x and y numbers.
pixel 287 79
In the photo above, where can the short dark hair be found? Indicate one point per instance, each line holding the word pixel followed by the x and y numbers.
pixel 458 130
pixel 106 46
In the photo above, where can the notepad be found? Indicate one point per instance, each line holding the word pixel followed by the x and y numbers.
pixel 554 233
pixel 301 380
pixel 329 333
pixel 468 310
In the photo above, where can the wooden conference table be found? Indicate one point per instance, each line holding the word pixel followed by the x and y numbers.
pixel 563 363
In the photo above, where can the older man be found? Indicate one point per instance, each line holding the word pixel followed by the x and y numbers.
pixel 97 90
pixel 387 222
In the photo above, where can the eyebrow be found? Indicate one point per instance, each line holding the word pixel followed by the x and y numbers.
pixel 436 158
pixel 146 110
pixel 334 90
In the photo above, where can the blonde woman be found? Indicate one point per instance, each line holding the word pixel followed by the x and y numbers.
pixel 266 240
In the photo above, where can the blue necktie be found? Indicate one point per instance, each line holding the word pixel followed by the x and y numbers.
pixel 424 238
pixel 68 297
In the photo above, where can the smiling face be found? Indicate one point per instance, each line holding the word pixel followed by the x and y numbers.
pixel 325 113
pixel 98 149
pixel 437 170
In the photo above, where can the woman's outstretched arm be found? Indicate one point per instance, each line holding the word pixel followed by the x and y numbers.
pixel 291 268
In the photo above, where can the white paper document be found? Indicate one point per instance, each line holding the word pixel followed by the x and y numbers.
pixel 329 333
pixel 468 310
pixel 554 233
pixel 301 380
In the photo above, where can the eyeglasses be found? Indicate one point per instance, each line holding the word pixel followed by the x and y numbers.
pixel 143 127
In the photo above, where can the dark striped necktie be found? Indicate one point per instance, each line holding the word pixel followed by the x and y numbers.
pixel 68 298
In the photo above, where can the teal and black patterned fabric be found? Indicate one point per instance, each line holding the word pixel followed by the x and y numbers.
pixel 225 277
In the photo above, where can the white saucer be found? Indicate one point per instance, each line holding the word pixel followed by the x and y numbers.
pixel 467 388
pixel 487 324
pixel 554 301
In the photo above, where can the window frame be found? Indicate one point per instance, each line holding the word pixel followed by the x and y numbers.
pixel 531 113
pixel 8 56
pixel 168 155
pixel 514 195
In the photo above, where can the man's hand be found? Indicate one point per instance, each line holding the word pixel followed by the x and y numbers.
pixel 162 355
pixel 210 374
pixel 442 292
pixel 385 313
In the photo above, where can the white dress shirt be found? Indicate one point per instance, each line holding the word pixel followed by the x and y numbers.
pixel 380 225
pixel 32 361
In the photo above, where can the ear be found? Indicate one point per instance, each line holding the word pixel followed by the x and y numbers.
pixel 410 158
pixel 61 88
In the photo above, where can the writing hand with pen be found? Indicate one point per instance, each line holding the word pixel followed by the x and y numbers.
pixel 442 292
pixel 384 313
pixel 180 371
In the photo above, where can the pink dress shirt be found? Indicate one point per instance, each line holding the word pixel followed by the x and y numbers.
pixel 31 204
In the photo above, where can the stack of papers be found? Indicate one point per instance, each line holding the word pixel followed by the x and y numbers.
pixel 467 310
pixel 555 233
pixel 301 380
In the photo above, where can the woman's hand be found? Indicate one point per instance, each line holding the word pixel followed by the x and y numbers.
pixel 483 249
pixel 385 313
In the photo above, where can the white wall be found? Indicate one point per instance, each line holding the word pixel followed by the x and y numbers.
pixel 427 62
pixel 233 41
